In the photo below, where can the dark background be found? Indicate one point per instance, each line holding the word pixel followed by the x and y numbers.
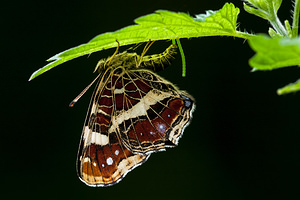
pixel 243 142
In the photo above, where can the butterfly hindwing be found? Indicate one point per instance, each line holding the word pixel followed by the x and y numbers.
pixel 152 112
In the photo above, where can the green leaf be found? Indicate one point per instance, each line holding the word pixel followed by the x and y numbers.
pixel 161 25
pixel 254 11
pixel 266 9
pixel 273 53
pixel 274 34
pixel 288 28
pixel 293 87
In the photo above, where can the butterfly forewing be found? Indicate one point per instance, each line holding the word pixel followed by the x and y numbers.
pixel 133 112
pixel 102 158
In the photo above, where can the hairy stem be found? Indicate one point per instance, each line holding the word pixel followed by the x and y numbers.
pixel 278 26
pixel 296 18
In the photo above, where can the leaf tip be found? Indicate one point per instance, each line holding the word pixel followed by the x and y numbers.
pixel 254 69
pixel 33 75
pixel 279 92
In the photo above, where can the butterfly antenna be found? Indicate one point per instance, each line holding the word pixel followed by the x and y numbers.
pixel 82 93
pixel 146 48
pixel 135 46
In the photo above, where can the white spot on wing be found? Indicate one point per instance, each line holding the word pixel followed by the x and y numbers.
pixel 109 161
pixel 162 128
pixel 98 138
pixel 119 91
pixel 116 152
pixel 86 159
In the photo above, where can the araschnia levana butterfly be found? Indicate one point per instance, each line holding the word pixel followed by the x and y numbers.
pixel 133 112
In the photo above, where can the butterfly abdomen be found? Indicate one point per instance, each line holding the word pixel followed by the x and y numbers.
pixel 158 62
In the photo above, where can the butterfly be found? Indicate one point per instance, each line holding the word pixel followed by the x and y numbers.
pixel 132 113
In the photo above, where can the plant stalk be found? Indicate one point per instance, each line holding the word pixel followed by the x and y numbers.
pixel 296 18
pixel 278 26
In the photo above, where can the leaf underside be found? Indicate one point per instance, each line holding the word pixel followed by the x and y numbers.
pixel 275 53
pixel 161 25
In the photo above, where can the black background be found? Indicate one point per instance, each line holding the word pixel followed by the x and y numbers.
pixel 243 142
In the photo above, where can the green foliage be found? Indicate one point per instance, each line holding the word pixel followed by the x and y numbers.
pixel 293 87
pixel 161 25
pixel 274 53
pixel 267 9
pixel 280 49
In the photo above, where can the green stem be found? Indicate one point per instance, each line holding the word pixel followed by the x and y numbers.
pixel 182 58
pixel 296 18
pixel 243 35
pixel 278 26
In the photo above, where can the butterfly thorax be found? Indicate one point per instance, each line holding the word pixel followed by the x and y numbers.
pixel 130 61
pixel 124 59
